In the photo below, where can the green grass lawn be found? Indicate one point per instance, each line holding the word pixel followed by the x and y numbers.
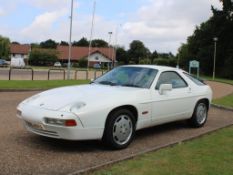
pixel 211 154
pixel 38 84
pixel 222 80
pixel 225 101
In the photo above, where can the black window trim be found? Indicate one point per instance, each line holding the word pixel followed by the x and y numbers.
pixel 198 79
pixel 177 74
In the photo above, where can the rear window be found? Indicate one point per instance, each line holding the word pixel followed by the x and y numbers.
pixel 194 79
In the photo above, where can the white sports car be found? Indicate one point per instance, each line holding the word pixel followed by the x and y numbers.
pixel 115 105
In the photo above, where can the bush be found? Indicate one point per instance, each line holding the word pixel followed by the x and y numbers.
pixel 43 57
pixel 75 64
pixel 165 62
pixel 145 61
pixel 82 62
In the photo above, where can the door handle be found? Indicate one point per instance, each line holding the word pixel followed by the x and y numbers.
pixel 189 90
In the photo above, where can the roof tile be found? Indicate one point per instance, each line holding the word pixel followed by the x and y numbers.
pixel 20 48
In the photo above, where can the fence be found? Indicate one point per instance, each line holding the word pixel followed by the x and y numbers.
pixel 63 70
pixel 12 68
pixel 47 74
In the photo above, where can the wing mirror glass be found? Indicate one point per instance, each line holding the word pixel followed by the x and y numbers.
pixel 163 88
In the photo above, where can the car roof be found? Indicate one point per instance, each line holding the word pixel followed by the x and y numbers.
pixel 160 68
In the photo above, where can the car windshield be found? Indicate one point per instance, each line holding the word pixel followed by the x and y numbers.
pixel 138 77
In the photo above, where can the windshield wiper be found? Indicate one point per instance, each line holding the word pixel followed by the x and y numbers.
pixel 107 83
pixel 131 85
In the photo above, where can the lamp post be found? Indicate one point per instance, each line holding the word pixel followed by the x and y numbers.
pixel 70 45
pixel 215 49
pixel 110 36
pixel 91 34
pixel 115 45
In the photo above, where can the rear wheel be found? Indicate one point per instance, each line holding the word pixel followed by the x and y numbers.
pixel 200 114
pixel 120 129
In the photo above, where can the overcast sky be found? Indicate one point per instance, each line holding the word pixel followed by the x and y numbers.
pixel 161 24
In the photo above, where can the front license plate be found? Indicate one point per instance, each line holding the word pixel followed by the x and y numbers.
pixel 36 125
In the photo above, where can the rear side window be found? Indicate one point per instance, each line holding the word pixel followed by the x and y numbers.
pixel 194 79
pixel 173 78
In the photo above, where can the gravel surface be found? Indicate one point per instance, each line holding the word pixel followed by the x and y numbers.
pixel 220 89
pixel 25 153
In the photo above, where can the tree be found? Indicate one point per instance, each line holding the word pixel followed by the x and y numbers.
pixel 122 56
pixel 200 45
pixel 227 6
pixel 153 56
pixel 15 42
pixel 49 44
pixel 99 43
pixel 165 62
pixel 43 57
pixel 183 56
pixel 137 51
pixel 82 43
pixel 35 45
pixel 64 43
pixel 165 55
pixel 4 47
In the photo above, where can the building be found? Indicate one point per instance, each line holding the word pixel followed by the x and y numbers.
pixel 102 56
pixel 20 51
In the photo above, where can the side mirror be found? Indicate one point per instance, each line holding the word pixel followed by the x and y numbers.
pixel 164 87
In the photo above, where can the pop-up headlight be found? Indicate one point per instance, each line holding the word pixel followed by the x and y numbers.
pixel 77 106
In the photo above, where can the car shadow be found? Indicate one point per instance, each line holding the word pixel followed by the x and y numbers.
pixel 69 146
pixel 164 128
pixel 58 145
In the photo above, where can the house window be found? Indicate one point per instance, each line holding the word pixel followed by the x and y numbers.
pixel 96 58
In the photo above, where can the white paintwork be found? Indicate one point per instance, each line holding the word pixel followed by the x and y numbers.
pixel 22 56
pixel 57 64
pixel 164 87
pixel 100 100
pixel 17 62
pixel 101 58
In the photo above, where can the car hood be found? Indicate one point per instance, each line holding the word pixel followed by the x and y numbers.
pixel 92 94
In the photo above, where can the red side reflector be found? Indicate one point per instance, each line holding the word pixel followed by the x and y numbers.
pixel 70 123
pixel 144 112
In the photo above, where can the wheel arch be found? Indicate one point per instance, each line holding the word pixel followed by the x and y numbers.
pixel 205 100
pixel 193 121
pixel 131 108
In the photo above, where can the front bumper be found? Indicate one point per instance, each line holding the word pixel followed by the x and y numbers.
pixel 33 119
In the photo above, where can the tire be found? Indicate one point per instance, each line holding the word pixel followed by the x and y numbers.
pixel 120 129
pixel 200 115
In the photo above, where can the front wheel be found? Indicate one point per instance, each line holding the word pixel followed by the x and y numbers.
pixel 200 115
pixel 120 129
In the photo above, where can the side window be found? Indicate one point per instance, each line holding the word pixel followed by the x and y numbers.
pixel 171 78
pixel 195 80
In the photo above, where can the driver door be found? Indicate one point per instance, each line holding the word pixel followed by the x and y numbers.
pixel 174 104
